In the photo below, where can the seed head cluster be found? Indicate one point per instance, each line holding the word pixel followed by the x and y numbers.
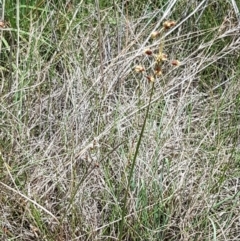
pixel 159 58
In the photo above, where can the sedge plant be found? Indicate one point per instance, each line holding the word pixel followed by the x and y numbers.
pixel 152 76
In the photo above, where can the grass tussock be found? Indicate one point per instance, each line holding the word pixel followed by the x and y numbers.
pixel 109 134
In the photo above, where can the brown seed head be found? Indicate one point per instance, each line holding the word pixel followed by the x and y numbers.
pixel 150 78
pixel 161 57
pixel 175 62
pixel 139 69
pixel 157 70
pixel 155 34
pixel 148 51
pixel 169 24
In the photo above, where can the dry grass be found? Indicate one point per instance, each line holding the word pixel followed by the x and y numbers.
pixel 72 109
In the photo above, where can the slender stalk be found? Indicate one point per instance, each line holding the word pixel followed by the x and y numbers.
pixel 124 208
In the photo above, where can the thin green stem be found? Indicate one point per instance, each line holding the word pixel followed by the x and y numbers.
pixel 124 208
